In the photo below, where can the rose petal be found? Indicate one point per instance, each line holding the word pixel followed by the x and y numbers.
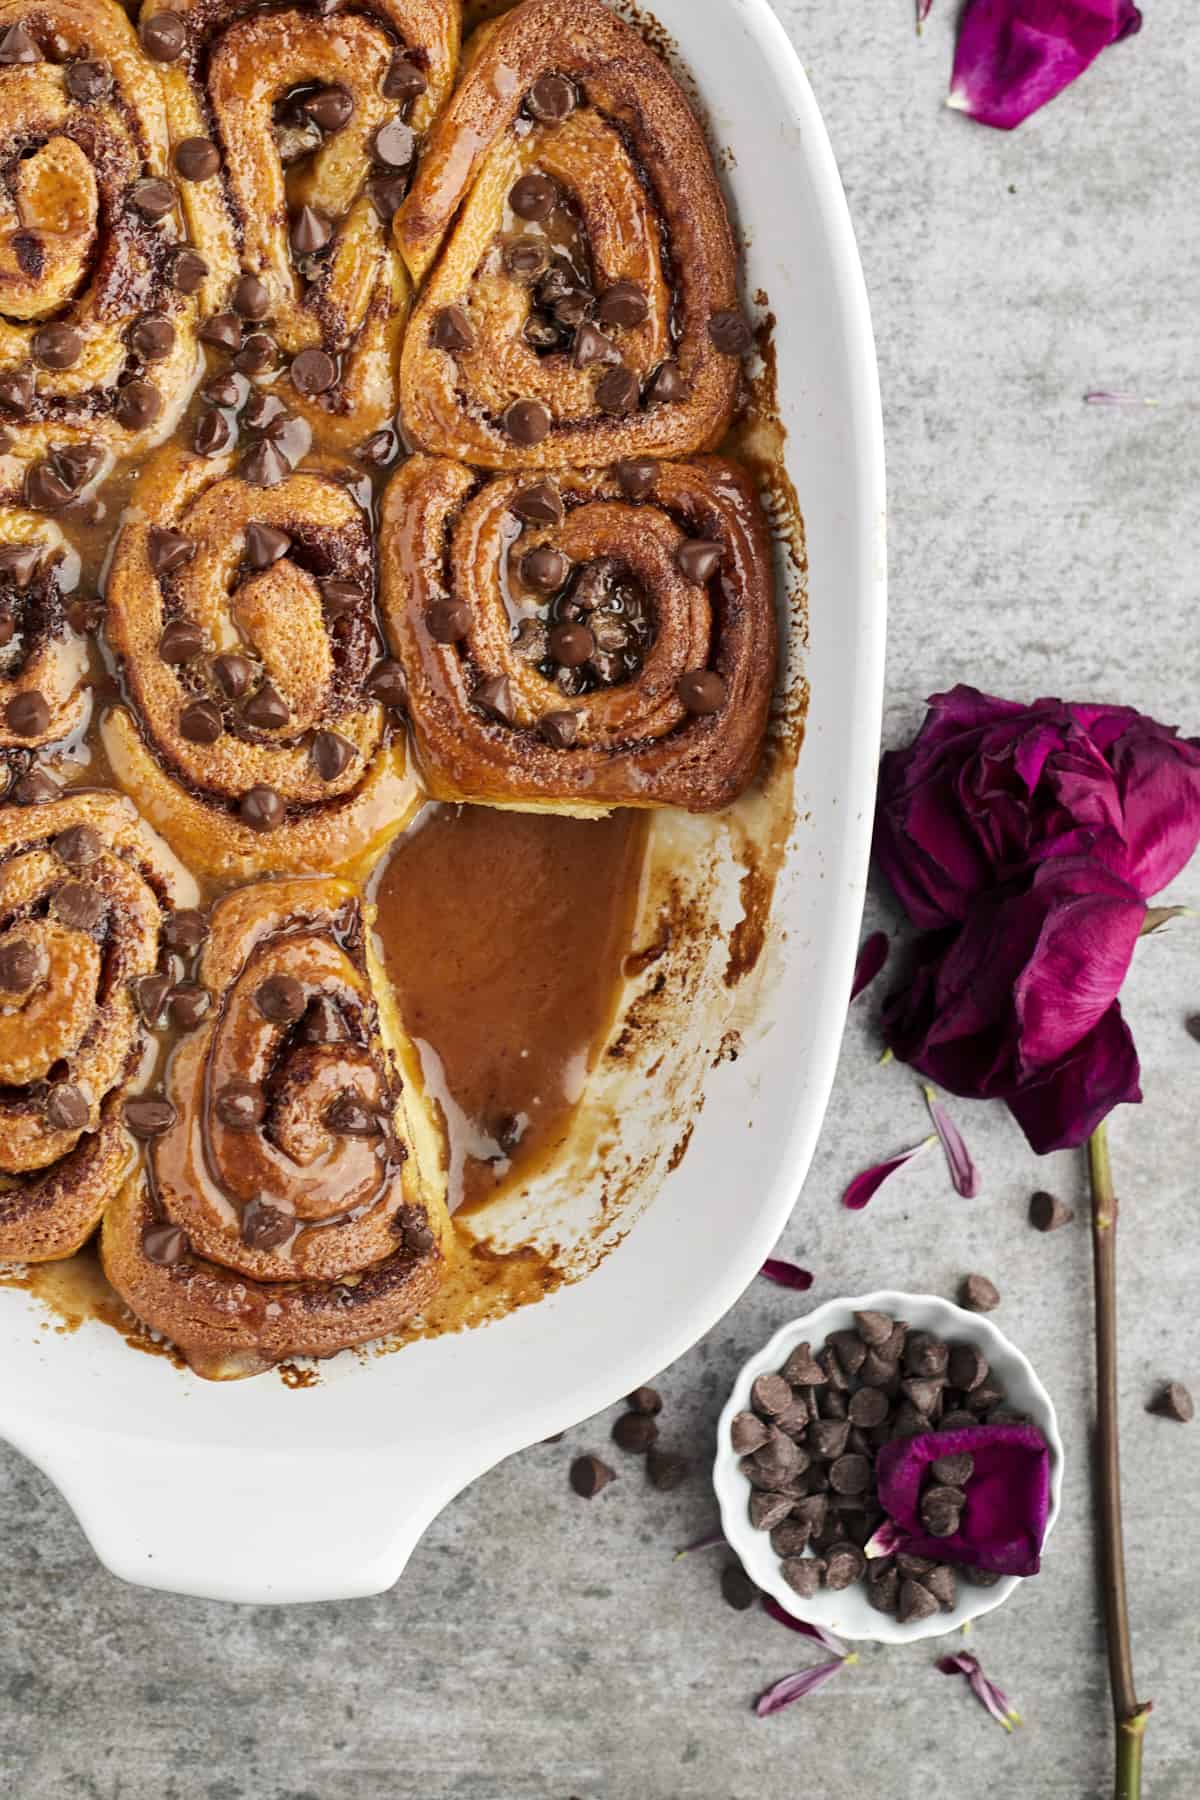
pixel 1003 1522
pixel 866 1185
pixel 963 1172
pixel 705 1543
pixel 871 959
pixel 1013 56
pixel 985 1691
pixel 1061 1107
pixel 782 1617
pixel 795 1687
pixel 787 1274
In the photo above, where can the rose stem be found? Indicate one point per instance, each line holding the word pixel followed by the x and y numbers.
pixel 1129 1716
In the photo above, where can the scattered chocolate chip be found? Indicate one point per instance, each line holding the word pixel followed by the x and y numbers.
pixel 527 422
pixel 665 1468
pixel 636 477
pixel 310 231
pixel 78 464
pixel 953 1471
pixel 534 196
pixel 330 107
pixel 153 337
pixel 181 640
pixel 730 333
pixel 280 998
pixel 1048 1213
pixel 168 550
pixel 27 715
pixel 89 81
pixel 571 645
pixel 644 1400
pixel 589 1475
pixel 393 144
pixel 667 384
pixel 45 489
pixel 737 1588
pixel 559 729
pixel 267 710
pixel 350 1116
pixel 21 965
pixel 552 98
pixel 265 1227
pixel 165 1244
pixel 57 346
pixel 265 544
pixel 493 696
pixel 452 329
pixel 803 1574
pixel 189 1003
pixel 18 46
pixel 78 846
pixel 187 269
pixel 967 1367
pixel 850 1474
pixel 257 354
pixel 386 683
pixel 35 788
pixel 377 449
pixel 20 562
pixel 591 346
pixel 139 404
pixel 1192 1026
pixel 152 197
pixel 341 596
pixel 941 1510
pixel 979 1294
pixel 251 297
pixel 404 80
pixel 1173 1402
pixel 699 558
pixel 17 389
pixel 617 391
pixel 197 158
pixel 544 569
pixel 526 258
pixel 163 36
pixel 635 1432
pixel 540 504
pixel 262 809
pixel 331 754
pixel 234 673
pixel 702 691
pixel 222 330
pixel 624 304
pixel 185 929
pixel 768 1510
pixel 916 1602
pixel 148 1117
pixel 264 465
pixel 213 433
pixel 386 193
pixel 200 722
pixel 78 906
pixel 448 621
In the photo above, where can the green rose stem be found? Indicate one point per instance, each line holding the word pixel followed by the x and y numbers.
pixel 1129 1715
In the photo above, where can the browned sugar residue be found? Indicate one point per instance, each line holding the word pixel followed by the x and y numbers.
pixel 504 935
pixel 479 1287
pixel 75 1290
pixel 293 1376
pixel 681 1148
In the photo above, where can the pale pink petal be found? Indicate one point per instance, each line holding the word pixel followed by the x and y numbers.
pixel 963 1172
pixel 797 1686
pixel 781 1616
pixel 865 1186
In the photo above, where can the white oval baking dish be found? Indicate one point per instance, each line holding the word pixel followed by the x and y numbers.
pixel 251 1492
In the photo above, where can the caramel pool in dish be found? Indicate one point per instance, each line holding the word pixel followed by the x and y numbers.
pixel 357 395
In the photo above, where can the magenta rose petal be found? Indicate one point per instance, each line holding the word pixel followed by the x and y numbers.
pixel 986 1692
pixel 1062 1106
pixel 797 1686
pixel 781 1616
pixel 787 1274
pixel 963 1172
pixel 705 1543
pixel 1003 1522
pixel 1013 56
pixel 871 959
pixel 865 1186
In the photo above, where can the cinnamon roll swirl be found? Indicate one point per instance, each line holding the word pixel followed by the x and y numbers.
pixel 256 735
pixel 85 889
pixel 294 1199
pixel 44 694
pixel 98 351
pixel 301 127
pixel 583 641
pixel 580 300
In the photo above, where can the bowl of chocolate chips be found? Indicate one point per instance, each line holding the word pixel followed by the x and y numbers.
pixel 889 1467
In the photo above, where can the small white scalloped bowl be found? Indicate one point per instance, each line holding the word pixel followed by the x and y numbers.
pixel 848 1613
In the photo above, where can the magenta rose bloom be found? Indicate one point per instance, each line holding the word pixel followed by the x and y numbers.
pixel 1020 1003
pixel 989 788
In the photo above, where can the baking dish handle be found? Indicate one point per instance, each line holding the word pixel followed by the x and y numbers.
pixel 263 1527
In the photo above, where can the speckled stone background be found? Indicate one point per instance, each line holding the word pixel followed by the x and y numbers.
pixel 541 1647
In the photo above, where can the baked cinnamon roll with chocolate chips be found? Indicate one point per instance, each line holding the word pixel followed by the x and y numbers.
pixel 294 133
pixel 44 694
pixel 85 893
pixel 98 350
pixel 581 641
pixel 579 300
pixel 258 733
pixel 293 1199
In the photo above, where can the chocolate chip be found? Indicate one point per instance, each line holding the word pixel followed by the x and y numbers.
pixel 27 715
pixel 310 231
pixel 280 998
pixel 493 696
pixel 844 1564
pixel 925 1354
pixel 164 1244
pixel 589 1475
pixel 451 329
pixel 329 107
pixel 644 1400
pixel 148 1117
pixel 189 1003
pixel 152 197
pixel 699 558
pixel 200 722
pixel 768 1510
pixel 185 929
pixel 527 422
pixel 267 710
pixel 552 98
pixel 636 477
pixel 331 754
pixel 827 1438
pixel 377 449
pixel 350 1116
pixel 1048 1213
pixel 942 1583
pixel 882 1584
pixel 188 269
pixel 559 729
pixel 78 464
pixel 702 691
pixel 404 80
pixel 737 1588
pixel 57 346
pixel 45 489
pixel 386 683
pixel 163 36
pixel 35 788
pixel 540 504
pixel 526 258
pixel 78 906
pixel 617 391
pixel 153 337
pixel 89 81
pixel 867 1407
pixel 17 389
pixel 240 1105
pixel 545 569
pixel 197 158
pixel 181 640
pixel 251 297
pixel 916 1602
pixel 213 433
pixel 139 403
pixel 167 549
pixel 979 1294
pixel 1192 1026
pixel 222 330
pixel 17 46
pixel 1173 1402
pixel 534 196
pixel 323 1022
pixel 265 1227
pixel 924 1392
pixel 21 965
pixel 234 673
pixel 803 1574
pixel 78 846
pixel 850 1474
pixel 20 562
pixel 953 1471
pixel 448 621
pixel 262 809
pixel 150 997
pixel 257 354
pixel 635 1432
pixel 571 645
pixel 967 1367
pixel 730 333
pixel 770 1394
pixel 666 1469
pixel 386 193
pixel 591 346
pixel 264 465
pixel 625 304
pixel 667 384
pixel 941 1510
pixel 393 144
pixel 341 596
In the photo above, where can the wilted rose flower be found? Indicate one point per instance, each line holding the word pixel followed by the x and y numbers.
pixel 1014 55
pixel 1020 1003
pixel 989 787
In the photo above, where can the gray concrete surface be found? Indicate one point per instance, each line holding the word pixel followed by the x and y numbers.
pixel 540 1647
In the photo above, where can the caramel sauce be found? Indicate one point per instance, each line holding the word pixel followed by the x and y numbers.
pixel 504 935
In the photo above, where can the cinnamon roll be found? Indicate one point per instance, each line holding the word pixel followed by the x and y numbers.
pixel 300 127
pixel 256 734
pixel 98 351
pixel 582 641
pixel 293 1201
pixel 85 889
pixel 582 305
pixel 44 693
